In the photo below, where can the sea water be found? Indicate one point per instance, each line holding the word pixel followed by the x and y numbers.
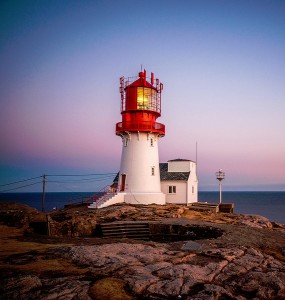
pixel 268 204
pixel 52 201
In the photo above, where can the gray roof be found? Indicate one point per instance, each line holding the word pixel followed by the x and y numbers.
pixel 165 175
pixel 179 159
pixel 169 176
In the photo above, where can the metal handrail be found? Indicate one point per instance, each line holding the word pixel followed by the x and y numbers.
pixel 95 197
pixel 140 126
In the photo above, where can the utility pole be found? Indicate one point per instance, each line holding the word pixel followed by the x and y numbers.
pixel 43 194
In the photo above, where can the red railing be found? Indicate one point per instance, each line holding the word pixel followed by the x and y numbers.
pixel 140 126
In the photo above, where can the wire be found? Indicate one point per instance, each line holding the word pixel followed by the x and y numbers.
pixel 100 174
pixel 20 181
pixel 20 187
pixel 81 180
pixel 104 176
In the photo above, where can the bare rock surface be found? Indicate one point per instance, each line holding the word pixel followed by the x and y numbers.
pixel 155 271
pixel 247 261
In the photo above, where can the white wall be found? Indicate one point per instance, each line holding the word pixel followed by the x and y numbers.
pixel 181 191
pixel 139 156
pixel 186 192
pixel 180 166
pixel 192 183
pixel 145 198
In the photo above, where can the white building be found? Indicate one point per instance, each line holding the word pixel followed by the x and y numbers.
pixel 179 182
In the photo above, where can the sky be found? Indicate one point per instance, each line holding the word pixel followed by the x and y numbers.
pixel 222 64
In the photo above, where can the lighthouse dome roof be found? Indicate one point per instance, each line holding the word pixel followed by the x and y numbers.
pixel 140 82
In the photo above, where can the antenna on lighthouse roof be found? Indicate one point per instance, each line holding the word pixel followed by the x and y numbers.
pixel 141 67
pixel 196 152
pixel 196 159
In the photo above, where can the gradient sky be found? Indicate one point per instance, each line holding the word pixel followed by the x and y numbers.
pixel 223 68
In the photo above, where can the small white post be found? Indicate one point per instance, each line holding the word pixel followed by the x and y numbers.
pixel 220 192
pixel 220 175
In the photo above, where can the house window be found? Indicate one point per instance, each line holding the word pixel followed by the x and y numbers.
pixel 151 142
pixel 171 189
pixel 152 171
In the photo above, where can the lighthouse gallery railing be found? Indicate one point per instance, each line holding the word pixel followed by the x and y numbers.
pixel 140 126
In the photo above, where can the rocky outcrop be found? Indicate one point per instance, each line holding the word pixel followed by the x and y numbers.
pixel 82 223
pixel 158 271
pixel 16 214
pixel 246 260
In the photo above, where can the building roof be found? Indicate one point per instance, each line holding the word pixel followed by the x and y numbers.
pixel 116 179
pixel 141 83
pixel 170 176
pixel 165 175
pixel 180 159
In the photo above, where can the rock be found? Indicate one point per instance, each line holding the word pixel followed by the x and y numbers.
pixel 15 214
pixel 255 221
pixel 109 288
pixel 246 260
pixel 72 225
pixel 191 246
pixel 65 288
pixel 138 278
pixel 166 288
pixel 212 292
pixel 20 287
pixel 268 285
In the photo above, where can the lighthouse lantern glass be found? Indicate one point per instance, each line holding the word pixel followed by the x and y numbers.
pixel 146 99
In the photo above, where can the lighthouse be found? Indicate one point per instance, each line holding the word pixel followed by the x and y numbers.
pixel 142 179
pixel 139 176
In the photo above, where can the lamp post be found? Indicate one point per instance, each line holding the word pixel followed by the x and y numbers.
pixel 220 175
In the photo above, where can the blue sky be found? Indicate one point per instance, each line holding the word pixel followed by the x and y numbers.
pixel 223 68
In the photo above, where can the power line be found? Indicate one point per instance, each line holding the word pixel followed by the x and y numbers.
pixel 20 181
pixel 99 174
pixel 104 176
pixel 107 175
pixel 82 180
pixel 20 187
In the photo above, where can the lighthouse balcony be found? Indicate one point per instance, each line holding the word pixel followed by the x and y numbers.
pixel 143 126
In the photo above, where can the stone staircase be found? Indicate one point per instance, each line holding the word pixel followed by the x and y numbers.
pixel 214 207
pixel 102 201
pixel 204 206
pixel 131 230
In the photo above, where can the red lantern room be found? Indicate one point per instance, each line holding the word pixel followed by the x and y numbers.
pixel 140 105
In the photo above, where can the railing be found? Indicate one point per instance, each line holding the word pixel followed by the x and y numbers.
pixel 96 197
pixel 140 126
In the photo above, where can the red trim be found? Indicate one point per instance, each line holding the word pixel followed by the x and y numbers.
pixel 140 126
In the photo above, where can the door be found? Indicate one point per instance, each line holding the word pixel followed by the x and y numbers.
pixel 123 182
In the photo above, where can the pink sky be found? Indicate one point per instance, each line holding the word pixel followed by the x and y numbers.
pixel 222 65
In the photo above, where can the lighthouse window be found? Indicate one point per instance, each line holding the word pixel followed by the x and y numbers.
pixel 147 99
pixel 171 189
pixel 143 97
pixel 152 171
pixel 151 142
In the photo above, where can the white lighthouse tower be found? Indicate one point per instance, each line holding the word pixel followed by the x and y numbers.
pixel 139 176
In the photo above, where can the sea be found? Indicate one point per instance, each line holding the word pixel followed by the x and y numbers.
pixel 268 204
